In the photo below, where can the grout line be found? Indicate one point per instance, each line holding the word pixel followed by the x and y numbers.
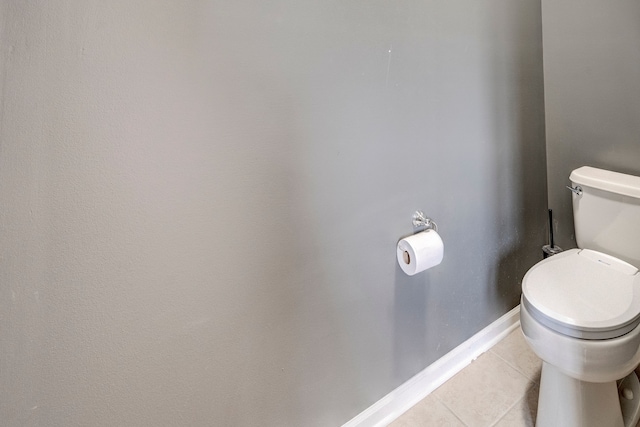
pixel 504 413
pixel 526 392
pixel 535 380
pixel 530 417
pixel 450 410
pixel 508 410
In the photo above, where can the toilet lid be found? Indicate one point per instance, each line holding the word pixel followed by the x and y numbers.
pixel 584 294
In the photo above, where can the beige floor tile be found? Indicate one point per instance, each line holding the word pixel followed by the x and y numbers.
pixel 516 352
pixel 484 391
pixel 429 412
pixel 523 414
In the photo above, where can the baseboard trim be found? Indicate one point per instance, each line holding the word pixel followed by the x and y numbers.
pixel 422 384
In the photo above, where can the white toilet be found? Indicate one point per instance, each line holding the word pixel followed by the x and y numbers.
pixel 580 309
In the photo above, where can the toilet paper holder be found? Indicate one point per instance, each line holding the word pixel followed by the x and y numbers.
pixel 421 220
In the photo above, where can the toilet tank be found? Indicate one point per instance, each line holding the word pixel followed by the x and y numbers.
pixel 607 213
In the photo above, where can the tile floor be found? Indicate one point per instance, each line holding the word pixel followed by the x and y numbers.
pixel 500 388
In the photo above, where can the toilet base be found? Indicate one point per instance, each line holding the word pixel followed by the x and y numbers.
pixel 566 401
pixel 630 403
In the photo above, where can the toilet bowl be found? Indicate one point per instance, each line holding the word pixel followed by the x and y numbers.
pixel 582 315
pixel 580 309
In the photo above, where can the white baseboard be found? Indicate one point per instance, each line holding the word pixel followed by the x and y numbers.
pixel 421 385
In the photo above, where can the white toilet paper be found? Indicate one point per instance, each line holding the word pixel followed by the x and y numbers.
pixel 419 252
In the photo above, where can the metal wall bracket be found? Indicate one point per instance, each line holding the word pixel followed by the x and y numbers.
pixel 420 220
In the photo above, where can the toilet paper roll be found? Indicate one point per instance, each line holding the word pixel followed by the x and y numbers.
pixel 419 252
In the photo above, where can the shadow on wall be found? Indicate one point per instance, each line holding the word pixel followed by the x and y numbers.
pixel 520 177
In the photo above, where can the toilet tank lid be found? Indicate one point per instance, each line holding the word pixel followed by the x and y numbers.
pixel 615 182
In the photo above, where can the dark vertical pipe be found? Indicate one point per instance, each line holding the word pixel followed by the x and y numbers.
pixel 551 230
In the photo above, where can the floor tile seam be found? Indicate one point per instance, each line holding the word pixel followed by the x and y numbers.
pixel 535 380
pixel 518 400
pixel 450 410
pixel 518 371
pixel 479 361
pixel 508 410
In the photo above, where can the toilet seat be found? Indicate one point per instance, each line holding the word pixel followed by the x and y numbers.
pixel 584 294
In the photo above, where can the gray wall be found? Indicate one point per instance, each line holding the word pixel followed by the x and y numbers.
pixel 592 94
pixel 200 201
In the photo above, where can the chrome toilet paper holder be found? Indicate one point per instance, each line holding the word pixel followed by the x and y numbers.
pixel 421 220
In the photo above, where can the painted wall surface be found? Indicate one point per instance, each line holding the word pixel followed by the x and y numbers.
pixel 592 94
pixel 200 201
